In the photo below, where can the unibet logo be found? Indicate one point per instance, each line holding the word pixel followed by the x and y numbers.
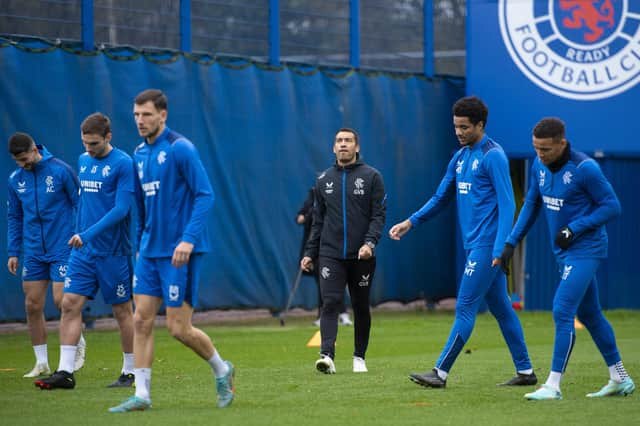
pixel 576 49
pixel 464 187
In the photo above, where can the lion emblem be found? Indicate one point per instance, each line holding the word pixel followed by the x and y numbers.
pixel 586 13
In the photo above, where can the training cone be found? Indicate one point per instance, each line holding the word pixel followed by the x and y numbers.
pixel 315 340
pixel 577 324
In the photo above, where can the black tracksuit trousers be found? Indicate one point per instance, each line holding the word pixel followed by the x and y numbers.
pixel 335 274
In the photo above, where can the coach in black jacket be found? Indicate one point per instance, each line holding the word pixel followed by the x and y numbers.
pixel 348 218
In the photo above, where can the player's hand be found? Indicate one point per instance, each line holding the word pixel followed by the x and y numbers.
pixel 564 238
pixel 398 230
pixel 300 219
pixel 365 252
pixel 181 254
pixel 306 264
pixel 12 264
pixel 505 258
pixel 75 241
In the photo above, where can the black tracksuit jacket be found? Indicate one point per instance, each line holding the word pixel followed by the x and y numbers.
pixel 350 210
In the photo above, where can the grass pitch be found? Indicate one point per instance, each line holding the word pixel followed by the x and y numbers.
pixel 276 382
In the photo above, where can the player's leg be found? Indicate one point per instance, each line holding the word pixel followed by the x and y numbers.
pixel 114 275
pixel 333 280
pixel 359 279
pixel 476 278
pixel 590 314
pixel 180 288
pixel 147 290
pixel 70 329
pixel 35 293
pixel 500 307
pixel 35 281
pixel 59 271
pixel 576 274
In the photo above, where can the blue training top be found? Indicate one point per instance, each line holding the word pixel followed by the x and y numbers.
pixel 41 207
pixel 106 197
pixel 578 196
pixel 480 177
pixel 173 195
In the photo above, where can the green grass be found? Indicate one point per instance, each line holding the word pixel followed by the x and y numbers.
pixel 276 382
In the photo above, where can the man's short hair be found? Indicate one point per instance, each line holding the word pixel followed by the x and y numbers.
pixel 350 130
pixel 473 108
pixel 96 124
pixel 156 96
pixel 19 143
pixel 549 127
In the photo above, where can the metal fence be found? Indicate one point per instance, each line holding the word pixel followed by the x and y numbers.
pixel 418 36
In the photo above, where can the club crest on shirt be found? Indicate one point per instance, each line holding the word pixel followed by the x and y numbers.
pixel 566 178
pixel 162 157
pixel 474 165
pixel 106 170
pixel 359 184
pixel 49 182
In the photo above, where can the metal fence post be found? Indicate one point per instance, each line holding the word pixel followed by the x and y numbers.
pixel 354 33
pixel 86 24
pixel 428 46
pixel 274 32
pixel 185 25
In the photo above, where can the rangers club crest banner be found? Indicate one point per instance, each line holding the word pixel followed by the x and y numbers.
pixel 575 59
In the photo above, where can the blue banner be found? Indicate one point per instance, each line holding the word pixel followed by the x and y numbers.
pixel 263 134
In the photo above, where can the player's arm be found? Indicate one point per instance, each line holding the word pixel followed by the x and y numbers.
pixel 528 213
pixel 497 166
pixel 138 198
pixel 191 168
pixel 601 192
pixel 14 223
pixel 445 192
pixel 124 201
pixel 71 186
pixel 378 206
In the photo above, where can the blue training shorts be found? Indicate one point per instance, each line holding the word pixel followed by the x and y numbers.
pixel 156 276
pixel 45 267
pixel 110 274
